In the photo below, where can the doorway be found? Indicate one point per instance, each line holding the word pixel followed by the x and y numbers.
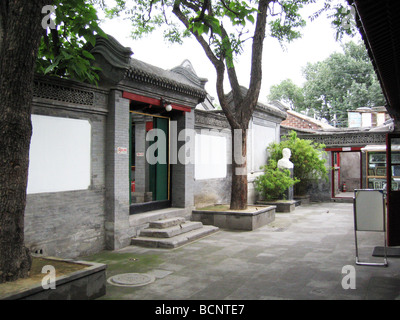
pixel 346 172
pixel 149 161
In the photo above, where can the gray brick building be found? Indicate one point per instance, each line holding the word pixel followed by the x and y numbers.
pixel 91 185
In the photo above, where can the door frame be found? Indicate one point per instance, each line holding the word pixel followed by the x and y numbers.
pixel 340 150
pixel 151 205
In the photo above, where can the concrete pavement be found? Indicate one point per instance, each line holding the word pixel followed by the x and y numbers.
pixel 307 254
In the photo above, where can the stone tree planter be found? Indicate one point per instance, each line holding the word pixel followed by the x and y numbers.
pixel 222 217
pixel 74 280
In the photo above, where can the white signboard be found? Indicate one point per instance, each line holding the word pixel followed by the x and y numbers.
pixel 369 210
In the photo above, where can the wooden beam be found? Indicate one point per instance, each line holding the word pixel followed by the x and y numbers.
pixel 137 97
pixel 153 101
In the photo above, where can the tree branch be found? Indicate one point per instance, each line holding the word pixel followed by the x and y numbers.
pixel 178 13
pixel 189 5
pixel 203 11
pixel 251 99
pixel 217 63
pixel 227 8
pixel 232 76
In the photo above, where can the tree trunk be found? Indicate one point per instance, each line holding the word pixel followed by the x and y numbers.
pixel 244 106
pixel 21 35
pixel 239 169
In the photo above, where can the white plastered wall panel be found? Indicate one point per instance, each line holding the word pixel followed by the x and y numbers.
pixel 59 155
pixel 211 156
pixel 261 137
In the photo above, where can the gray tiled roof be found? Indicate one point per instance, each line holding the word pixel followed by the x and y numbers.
pixel 169 79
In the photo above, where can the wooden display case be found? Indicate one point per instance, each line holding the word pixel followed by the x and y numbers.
pixel 377 170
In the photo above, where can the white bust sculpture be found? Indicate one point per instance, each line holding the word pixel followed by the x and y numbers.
pixel 284 163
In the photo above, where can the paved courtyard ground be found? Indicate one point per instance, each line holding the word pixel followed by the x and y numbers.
pixel 301 255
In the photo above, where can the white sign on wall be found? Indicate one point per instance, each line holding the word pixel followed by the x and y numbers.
pixel 59 158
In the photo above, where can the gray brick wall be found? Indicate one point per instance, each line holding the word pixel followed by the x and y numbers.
pixel 65 224
pixel 71 224
pixel 76 223
pixel 213 191
pixel 118 231
pixel 182 176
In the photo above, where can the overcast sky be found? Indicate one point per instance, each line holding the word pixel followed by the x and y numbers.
pixel 317 43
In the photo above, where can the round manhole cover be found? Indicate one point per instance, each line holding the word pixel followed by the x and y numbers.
pixel 131 279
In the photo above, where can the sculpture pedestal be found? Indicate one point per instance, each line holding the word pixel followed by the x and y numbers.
pixel 289 192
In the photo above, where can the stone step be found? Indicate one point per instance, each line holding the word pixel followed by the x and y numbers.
pixel 176 241
pixel 143 219
pixel 166 223
pixel 172 231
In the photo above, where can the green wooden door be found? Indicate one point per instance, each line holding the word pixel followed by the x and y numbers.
pixel 158 172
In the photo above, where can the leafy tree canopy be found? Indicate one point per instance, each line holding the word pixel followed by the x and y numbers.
pixel 227 24
pixel 344 81
pixel 63 52
pixel 63 48
pixel 289 93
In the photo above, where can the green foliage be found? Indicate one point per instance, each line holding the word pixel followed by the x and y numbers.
pixel 208 18
pixel 344 81
pixel 63 50
pixel 285 26
pixel 274 182
pixel 289 93
pixel 342 17
pixel 306 156
pixel 343 20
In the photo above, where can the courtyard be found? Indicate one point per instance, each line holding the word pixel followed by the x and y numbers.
pixel 308 254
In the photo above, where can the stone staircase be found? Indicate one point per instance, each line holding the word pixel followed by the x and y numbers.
pixel 171 233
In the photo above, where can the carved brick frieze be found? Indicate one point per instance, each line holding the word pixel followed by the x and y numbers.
pixel 63 93
pixel 210 119
pixel 347 139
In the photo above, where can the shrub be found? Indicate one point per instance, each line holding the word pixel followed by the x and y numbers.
pixel 307 158
pixel 274 182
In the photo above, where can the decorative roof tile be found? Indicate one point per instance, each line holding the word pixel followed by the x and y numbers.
pixel 144 72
